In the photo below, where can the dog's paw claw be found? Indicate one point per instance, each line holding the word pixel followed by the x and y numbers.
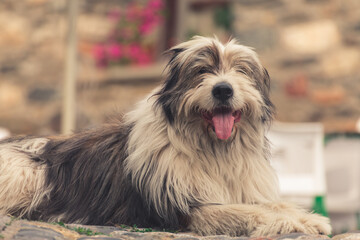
pixel 310 224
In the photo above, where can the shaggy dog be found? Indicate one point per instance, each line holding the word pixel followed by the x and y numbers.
pixel 193 155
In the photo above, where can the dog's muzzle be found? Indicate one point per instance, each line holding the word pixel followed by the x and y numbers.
pixel 223 117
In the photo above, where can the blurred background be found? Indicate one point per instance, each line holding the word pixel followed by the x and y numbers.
pixel 113 51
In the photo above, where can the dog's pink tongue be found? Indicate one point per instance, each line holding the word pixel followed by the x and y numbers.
pixel 223 123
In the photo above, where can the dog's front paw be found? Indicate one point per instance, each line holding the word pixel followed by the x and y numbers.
pixel 316 224
pixel 282 224
pixel 276 227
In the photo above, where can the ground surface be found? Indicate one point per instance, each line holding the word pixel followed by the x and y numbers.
pixel 11 228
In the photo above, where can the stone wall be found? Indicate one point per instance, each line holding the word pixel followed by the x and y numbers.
pixel 311 49
pixel 31 60
pixel 32 52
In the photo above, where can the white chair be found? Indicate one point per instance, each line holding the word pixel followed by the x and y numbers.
pixel 297 156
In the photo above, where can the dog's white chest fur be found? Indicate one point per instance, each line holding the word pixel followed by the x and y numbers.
pixel 201 169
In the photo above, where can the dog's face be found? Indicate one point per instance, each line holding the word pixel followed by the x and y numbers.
pixel 218 85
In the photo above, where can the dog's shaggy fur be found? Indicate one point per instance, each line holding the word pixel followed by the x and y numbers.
pixel 192 155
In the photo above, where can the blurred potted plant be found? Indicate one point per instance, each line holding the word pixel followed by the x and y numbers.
pixel 136 35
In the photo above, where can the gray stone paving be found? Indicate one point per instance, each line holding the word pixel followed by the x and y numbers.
pixel 12 228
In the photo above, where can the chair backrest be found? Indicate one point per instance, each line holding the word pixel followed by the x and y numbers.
pixel 297 156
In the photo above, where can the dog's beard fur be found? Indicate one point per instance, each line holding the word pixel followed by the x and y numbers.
pixel 182 158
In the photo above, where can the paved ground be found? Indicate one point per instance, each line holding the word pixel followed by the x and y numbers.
pixel 12 228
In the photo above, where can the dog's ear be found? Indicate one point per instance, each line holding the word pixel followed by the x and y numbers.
pixel 166 96
pixel 263 85
pixel 173 68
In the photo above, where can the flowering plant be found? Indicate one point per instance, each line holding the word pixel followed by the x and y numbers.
pixel 130 42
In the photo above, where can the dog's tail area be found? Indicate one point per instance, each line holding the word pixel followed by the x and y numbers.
pixel 22 175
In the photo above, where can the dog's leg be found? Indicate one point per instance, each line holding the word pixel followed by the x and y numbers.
pixel 285 216
pixel 256 220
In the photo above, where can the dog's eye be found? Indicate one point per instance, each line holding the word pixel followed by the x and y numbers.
pixel 204 70
pixel 241 70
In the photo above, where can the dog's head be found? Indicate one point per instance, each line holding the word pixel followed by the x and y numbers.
pixel 218 85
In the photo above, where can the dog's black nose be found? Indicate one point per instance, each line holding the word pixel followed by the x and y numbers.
pixel 222 91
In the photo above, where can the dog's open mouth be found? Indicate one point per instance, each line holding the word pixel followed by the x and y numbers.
pixel 222 120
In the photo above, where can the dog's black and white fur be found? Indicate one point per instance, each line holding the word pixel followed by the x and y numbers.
pixel 193 155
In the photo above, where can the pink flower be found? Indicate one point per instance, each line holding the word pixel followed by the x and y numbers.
pixel 125 44
pixel 155 4
pixel 127 33
pixel 99 51
pixel 100 55
pixel 145 28
pixel 133 12
pixel 157 19
pixel 134 50
pixel 143 58
pixel 139 55
pixel 114 51
pixel 114 15
pixel 149 21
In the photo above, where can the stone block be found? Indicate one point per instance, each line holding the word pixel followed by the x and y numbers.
pixel 342 62
pixel 261 3
pixel 36 2
pixel 94 27
pixel 260 38
pixel 54 49
pixel 298 61
pixel 45 32
pixel 244 17
pixel 11 96
pixel 330 96
pixel 14 30
pixel 297 86
pixel 38 94
pixel 7 68
pixel 295 17
pixel 28 232
pixel 312 37
pixel 352 39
